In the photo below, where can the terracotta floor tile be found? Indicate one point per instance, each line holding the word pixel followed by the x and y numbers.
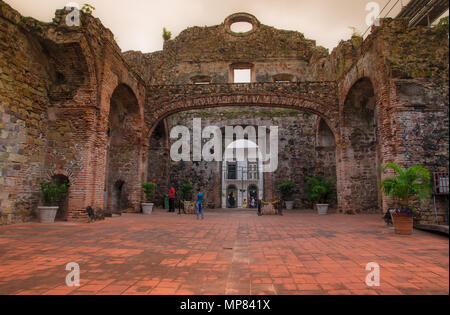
pixel 232 252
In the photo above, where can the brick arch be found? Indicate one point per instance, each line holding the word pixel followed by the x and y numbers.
pixel 108 91
pixel 353 80
pixel 327 111
pixel 67 172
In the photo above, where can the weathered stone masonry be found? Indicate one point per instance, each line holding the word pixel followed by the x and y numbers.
pixel 57 83
pixel 72 104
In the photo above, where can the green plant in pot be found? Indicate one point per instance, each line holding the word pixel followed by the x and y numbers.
pixel 149 191
pixel 52 192
pixel 407 188
pixel 319 191
pixel 186 191
pixel 287 191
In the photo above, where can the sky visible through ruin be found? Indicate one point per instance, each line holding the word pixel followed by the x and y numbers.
pixel 137 24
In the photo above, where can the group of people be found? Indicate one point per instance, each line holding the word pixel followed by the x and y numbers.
pixel 253 203
pixel 198 202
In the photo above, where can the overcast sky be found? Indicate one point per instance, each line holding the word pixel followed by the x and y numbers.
pixel 137 24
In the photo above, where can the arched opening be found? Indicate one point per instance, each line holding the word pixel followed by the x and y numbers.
pixel 242 165
pixel 253 196
pixel 158 161
pixel 122 166
pixel 326 155
pixel 118 198
pixel 232 197
pixel 63 211
pixel 359 154
pixel 298 152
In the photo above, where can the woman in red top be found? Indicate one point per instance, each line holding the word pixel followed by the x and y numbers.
pixel 172 199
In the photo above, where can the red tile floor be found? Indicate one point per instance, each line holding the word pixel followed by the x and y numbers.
pixel 228 253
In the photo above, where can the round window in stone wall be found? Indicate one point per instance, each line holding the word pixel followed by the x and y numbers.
pixel 241 27
pixel 241 24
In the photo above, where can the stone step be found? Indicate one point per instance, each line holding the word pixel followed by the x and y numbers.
pixel 434 228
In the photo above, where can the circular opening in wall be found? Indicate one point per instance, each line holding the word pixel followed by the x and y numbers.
pixel 241 24
pixel 241 27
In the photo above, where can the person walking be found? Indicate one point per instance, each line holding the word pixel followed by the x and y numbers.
pixel 199 204
pixel 172 199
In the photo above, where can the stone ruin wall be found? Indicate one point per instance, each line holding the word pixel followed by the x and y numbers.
pixel 24 85
pixel 56 86
pixel 209 51
pixel 54 103
pixel 409 71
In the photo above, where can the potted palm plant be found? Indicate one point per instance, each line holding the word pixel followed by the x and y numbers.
pixel 406 188
pixel 186 191
pixel 319 191
pixel 52 193
pixel 287 191
pixel 149 191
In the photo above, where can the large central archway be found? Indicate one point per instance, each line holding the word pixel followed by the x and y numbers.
pixel 318 98
pixel 329 125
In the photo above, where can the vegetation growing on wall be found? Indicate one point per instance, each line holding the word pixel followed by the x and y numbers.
pixel 167 35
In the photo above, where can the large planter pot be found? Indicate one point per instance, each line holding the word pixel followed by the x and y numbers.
pixel 189 207
pixel 289 205
pixel 147 208
pixel 47 214
pixel 403 223
pixel 322 209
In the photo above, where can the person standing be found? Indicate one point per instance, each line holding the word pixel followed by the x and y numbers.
pixel 172 199
pixel 199 204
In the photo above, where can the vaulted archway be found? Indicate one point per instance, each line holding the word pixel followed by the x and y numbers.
pixel 359 160
pixel 122 185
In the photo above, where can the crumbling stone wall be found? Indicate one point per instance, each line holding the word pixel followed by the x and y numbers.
pixel 211 50
pixel 408 71
pixel 24 86
pixel 55 90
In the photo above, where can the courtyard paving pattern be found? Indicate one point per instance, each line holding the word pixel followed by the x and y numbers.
pixel 230 252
